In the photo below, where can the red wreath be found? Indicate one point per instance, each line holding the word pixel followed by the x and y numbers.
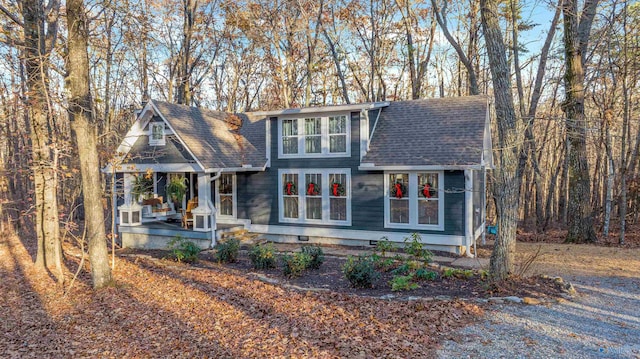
pixel 426 191
pixel 335 188
pixel 289 188
pixel 311 189
pixel 398 190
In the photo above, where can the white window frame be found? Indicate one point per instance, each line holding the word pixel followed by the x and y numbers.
pixel 413 202
pixel 157 141
pixel 302 207
pixel 324 127
pixel 234 196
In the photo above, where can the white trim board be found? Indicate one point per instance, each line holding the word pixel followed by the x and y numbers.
pixel 158 167
pixel 427 238
pixel 321 109
pixel 368 166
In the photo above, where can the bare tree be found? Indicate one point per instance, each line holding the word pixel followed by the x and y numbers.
pixel 40 35
pixel 576 38
pixel 507 182
pixel 81 115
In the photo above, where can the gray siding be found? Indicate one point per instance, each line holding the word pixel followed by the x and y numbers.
pixel 258 191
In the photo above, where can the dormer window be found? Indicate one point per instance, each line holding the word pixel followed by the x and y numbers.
pixel 156 134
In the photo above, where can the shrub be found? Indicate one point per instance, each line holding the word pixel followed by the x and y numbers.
pixel 227 251
pixel 425 274
pixel 403 282
pixel 413 245
pixel 183 250
pixel 403 269
pixel 384 245
pixel 360 271
pixel 294 265
pixel 316 254
pixel 263 256
pixel 386 264
pixel 457 273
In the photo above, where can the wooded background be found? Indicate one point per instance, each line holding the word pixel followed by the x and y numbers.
pixel 259 55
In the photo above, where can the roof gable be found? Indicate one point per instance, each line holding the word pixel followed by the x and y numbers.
pixel 215 138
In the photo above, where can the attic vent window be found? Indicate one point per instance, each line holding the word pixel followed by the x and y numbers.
pixel 156 134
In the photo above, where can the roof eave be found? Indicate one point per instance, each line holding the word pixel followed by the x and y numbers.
pixel 337 108
pixel 372 167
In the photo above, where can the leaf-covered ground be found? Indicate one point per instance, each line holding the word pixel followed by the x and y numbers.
pixel 158 309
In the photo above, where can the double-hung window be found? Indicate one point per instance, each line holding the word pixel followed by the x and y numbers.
pixel 314 136
pixel 225 195
pixel 319 196
pixel 414 200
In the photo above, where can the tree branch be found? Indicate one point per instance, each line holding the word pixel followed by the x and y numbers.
pixel 11 16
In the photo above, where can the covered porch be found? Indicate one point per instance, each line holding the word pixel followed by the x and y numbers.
pixel 152 211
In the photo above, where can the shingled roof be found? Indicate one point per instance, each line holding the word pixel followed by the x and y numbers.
pixel 210 136
pixel 430 132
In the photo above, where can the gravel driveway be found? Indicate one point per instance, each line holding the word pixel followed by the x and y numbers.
pixel 603 321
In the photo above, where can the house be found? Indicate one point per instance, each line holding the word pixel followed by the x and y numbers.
pixel 346 174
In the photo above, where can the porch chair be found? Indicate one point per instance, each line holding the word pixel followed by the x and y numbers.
pixel 187 216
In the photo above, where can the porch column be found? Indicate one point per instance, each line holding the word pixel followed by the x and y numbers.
pixel 468 210
pixel 203 219
pixel 130 213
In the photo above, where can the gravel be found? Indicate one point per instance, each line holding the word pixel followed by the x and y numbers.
pixel 602 321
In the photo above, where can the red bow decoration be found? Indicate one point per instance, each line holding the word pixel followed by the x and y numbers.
pixel 311 191
pixel 398 190
pixel 335 189
pixel 289 185
pixel 426 191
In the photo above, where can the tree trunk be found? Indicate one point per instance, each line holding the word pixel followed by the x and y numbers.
pixel 82 120
pixel 36 57
pixel 507 186
pixel 579 210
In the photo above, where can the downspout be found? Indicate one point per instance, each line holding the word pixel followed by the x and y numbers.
pixel 468 211
pixel 213 208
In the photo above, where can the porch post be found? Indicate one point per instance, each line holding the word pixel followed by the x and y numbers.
pixel 203 221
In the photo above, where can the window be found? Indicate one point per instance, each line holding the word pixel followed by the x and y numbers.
pixel 414 200
pixel 314 137
pixel 290 136
pixel 225 195
pixel 156 135
pixel 315 196
pixel 337 134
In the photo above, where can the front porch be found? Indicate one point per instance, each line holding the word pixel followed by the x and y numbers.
pixel 158 234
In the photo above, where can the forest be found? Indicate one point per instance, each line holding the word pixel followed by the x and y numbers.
pixel 563 76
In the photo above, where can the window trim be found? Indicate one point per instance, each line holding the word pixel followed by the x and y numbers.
pixel 234 197
pixel 413 202
pixel 325 195
pixel 158 141
pixel 324 136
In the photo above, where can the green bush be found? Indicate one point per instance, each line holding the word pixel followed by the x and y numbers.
pixel 413 246
pixel 402 269
pixel 316 254
pixel 384 245
pixel 294 265
pixel 263 256
pixel 360 271
pixel 403 282
pixel 425 274
pixel 183 250
pixel 227 251
pixel 457 273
